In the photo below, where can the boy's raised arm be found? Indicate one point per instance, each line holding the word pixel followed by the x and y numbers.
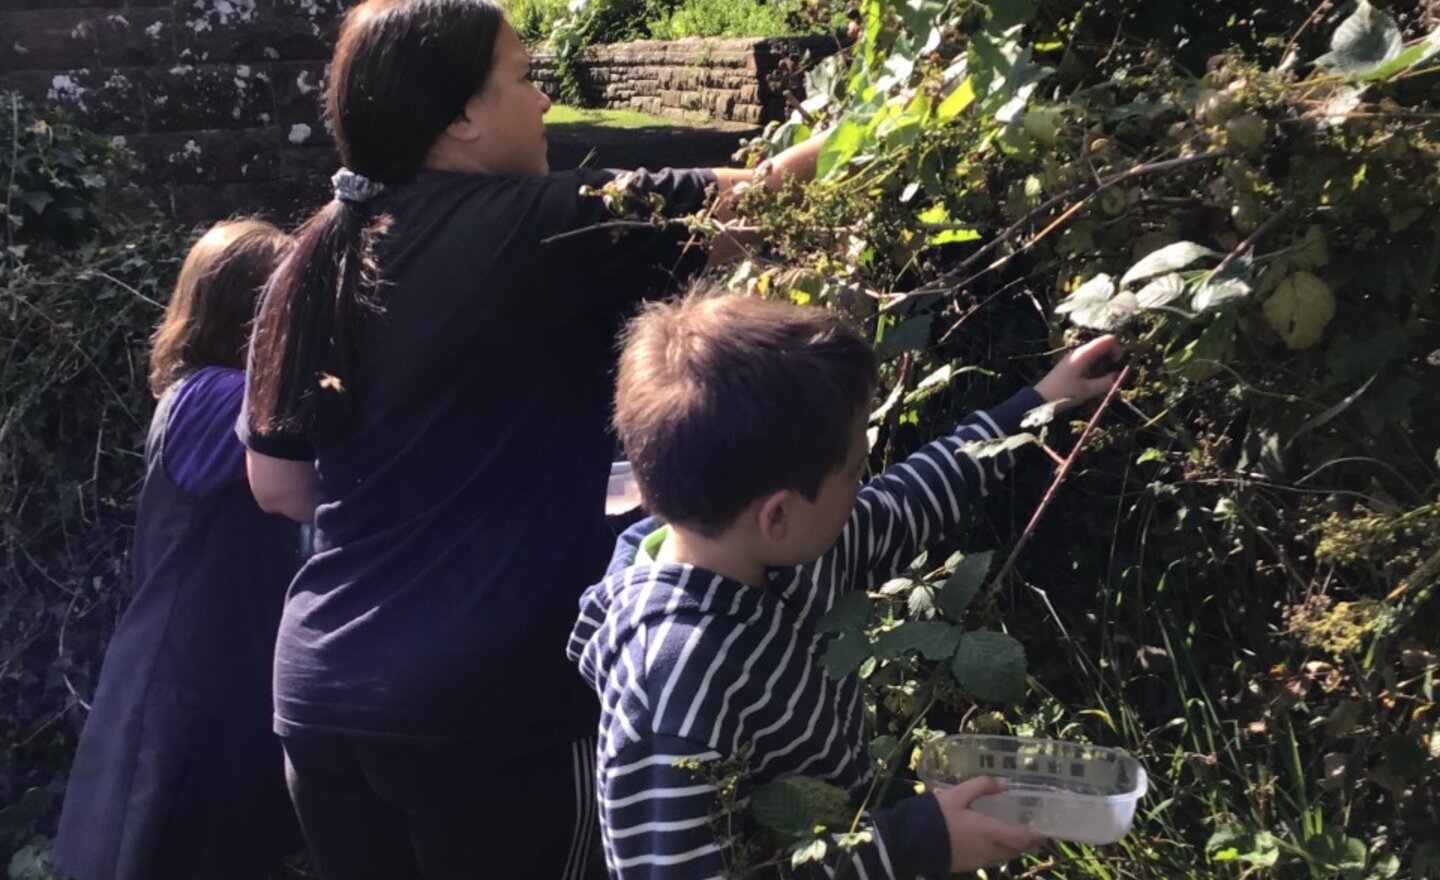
pixel 660 816
pixel 920 500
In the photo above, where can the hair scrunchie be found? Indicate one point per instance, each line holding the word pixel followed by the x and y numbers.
pixel 356 189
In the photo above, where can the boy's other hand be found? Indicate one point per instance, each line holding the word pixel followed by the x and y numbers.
pixel 1083 374
pixel 977 840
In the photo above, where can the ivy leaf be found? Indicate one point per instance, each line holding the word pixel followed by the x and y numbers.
pixel 1161 292
pixel 851 611
pixel 934 639
pixel 1170 258
pixel 990 665
pixel 981 449
pixel 961 587
pixel 1362 43
pixel 846 654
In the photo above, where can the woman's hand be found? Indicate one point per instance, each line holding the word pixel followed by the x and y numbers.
pixel 976 840
pixel 1083 374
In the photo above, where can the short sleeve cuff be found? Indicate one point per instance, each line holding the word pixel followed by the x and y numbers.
pixel 275 445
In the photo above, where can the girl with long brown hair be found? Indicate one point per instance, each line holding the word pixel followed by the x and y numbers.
pixel 178 775
pixel 433 364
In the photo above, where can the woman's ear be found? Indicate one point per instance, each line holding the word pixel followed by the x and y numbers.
pixel 465 127
pixel 773 516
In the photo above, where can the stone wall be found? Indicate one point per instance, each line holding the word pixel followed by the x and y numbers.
pixel 221 99
pixel 734 80
pixel 218 98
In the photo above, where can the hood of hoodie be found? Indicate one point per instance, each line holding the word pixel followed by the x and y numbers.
pixel 637 593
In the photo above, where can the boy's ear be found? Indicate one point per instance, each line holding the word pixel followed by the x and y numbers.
pixel 773 516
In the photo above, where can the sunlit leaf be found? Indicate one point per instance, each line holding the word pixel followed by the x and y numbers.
pixel 1170 258
pixel 1363 43
pixel 1161 292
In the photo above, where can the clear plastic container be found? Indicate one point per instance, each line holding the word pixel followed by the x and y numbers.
pixel 1067 791
pixel 623 493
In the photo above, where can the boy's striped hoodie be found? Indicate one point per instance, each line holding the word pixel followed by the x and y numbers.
pixel 691 665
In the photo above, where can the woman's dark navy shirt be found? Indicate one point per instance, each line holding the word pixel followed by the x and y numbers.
pixel 462 510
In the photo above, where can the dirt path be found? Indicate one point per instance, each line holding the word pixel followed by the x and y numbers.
pixel 675 146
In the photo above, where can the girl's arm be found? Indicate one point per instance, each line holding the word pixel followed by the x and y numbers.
pixel 289 488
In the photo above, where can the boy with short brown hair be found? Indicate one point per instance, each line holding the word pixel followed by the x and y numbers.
pixel 744 421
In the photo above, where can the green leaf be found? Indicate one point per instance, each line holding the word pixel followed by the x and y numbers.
pixel 1161 292
pixel 813 851
pixel 1170 258
pixel 1333 851
pixel 1363 43
pixel 37 200
pixel 841 146
pixel 1095 305
pixel 936 381
pixel 884 748
pixel 990 665
pixel 851 611
pixel 1205 356
pixel 953 236
pixel 782 807
pixel 912 334
pixel 845 655
pixel 1232 843
pixel 934 639
pixel 980 449
pixel 918 15
pixel 964 585
pixel 1006 14
pixel 1216 293
pixel 961 97
pixel 921 602
pixel 1041 415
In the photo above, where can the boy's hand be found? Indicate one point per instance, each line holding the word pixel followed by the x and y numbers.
pixel 976 840
pixel 1083 374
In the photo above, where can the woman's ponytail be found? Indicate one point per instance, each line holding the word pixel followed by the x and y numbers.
pixel 401 73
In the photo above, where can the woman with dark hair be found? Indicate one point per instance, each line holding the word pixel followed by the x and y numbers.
pixel 178 775
pixel 433 363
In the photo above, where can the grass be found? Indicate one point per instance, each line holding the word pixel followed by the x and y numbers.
pixel 561 115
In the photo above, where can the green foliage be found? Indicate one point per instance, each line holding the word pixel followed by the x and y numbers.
pixel 1239 576
pixel 720 18
pixel 85 276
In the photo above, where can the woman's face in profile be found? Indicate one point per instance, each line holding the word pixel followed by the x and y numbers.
pixel 508 115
